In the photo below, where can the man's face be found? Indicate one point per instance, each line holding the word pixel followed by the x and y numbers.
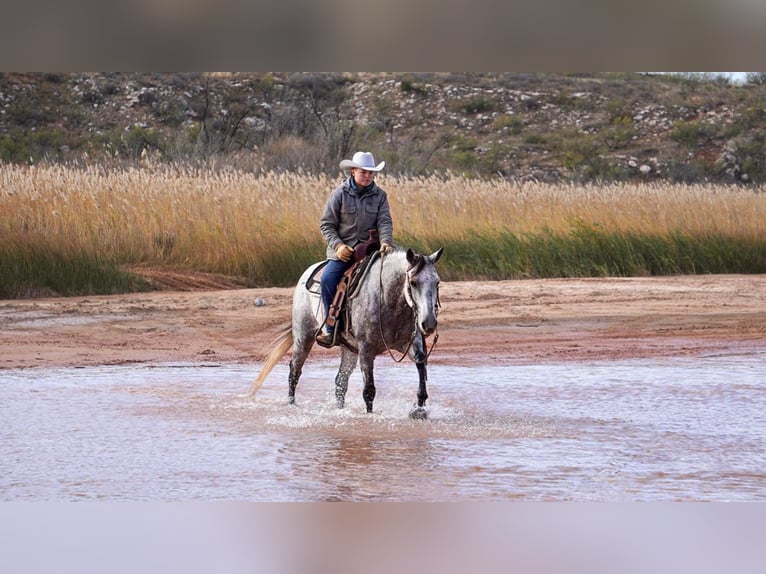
pixel 362 176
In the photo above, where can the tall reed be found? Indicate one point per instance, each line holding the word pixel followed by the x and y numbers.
pixel 264 228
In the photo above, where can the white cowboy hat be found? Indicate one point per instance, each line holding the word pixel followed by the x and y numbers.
pixel 362 160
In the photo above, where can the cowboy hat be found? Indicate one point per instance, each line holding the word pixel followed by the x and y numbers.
pixel 362 160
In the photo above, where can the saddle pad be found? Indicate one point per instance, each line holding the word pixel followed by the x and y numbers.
pixel 313 282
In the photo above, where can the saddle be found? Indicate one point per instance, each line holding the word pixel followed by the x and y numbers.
pixel 364 254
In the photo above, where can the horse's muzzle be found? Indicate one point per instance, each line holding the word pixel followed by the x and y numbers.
pixel 428 326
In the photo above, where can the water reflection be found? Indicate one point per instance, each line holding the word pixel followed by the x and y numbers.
pixel 675 429
pixel 345 468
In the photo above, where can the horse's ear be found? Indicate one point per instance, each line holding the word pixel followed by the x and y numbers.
pixel 410 256
pixel 434 257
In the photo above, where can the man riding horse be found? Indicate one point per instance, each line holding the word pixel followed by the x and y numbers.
pixel 353 209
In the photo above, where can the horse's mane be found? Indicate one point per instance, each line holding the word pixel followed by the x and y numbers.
pixel 398 257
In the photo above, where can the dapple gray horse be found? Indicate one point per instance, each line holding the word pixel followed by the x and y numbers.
pixel 394 308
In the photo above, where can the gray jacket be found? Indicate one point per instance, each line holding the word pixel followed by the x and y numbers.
pixel 349 215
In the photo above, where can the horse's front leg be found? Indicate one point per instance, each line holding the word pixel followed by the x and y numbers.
pixel 367 362
pixel 347 366
pixel 419 355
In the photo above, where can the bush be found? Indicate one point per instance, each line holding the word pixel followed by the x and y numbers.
pixel 619 134
pixel 690 133
pixel 600 169
pixel 465 161
pixel 408 86
pixel 473 105
pixel 138 139
pixel 22 146
pixel 578 149
pixel 513 123
pixel 536 139
pixel 617 108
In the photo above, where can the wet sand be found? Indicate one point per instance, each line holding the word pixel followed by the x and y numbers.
pixel 528 321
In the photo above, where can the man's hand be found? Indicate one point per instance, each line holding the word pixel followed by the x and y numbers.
pixel 344 252
pixel 385 248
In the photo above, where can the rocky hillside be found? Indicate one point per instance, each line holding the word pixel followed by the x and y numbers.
pixel 547 127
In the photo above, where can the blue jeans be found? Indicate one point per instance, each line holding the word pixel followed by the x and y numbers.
pixel 333 271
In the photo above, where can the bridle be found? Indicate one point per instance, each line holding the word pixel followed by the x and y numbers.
pixel 411 272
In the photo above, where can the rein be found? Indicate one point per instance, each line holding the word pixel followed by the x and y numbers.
pixel 411 303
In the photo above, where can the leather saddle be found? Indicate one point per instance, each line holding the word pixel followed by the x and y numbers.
pixel 364 254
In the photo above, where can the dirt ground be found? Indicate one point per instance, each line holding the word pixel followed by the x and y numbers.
pixel 515 321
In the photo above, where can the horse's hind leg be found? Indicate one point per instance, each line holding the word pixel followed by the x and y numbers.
pixel 292 380
pixel 301 347
pixel 347 366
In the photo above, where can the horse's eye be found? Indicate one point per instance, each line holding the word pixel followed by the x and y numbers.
pixel 413 283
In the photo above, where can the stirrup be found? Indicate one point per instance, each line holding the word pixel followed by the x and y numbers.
pixel 323 343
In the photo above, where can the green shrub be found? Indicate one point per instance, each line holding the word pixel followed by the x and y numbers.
pixel 536 139
pixel 465 160
pixel 513 123
pixel 601 169
pixel 409 86
pixel 137 139
pixel 563 99
pixel 690 133
pixel 169 112
pixel 23 111
pixel 578 150
pixel 619 134
pixel 473 105
pixel 21 146
pixel 618 108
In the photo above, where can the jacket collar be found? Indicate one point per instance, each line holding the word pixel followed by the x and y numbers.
pixel 360 191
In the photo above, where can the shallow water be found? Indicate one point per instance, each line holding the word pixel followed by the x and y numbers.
pixel 668 429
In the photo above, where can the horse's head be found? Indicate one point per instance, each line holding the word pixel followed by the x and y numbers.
pixel 422 289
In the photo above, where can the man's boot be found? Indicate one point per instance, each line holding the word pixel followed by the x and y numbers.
pixel 326 339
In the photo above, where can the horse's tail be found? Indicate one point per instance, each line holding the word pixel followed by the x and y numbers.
pixel 281 344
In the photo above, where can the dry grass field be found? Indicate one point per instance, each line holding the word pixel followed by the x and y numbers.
pixel 56 221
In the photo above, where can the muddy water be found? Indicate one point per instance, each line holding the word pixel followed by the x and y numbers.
pixel 671 429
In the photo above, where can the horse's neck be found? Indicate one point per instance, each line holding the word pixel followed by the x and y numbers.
pixel 393 280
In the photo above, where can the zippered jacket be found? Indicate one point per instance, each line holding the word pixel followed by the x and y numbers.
pixel 349 214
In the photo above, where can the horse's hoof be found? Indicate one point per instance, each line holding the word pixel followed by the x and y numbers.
pixel 291 400
pixel 340 404
pixel 419 414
